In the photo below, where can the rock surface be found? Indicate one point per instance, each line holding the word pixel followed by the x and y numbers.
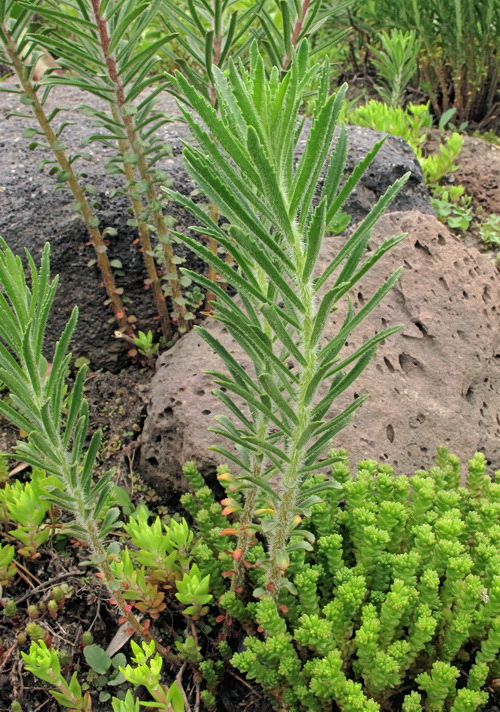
pixel 436 382
pixel 31 213
pixel 479 173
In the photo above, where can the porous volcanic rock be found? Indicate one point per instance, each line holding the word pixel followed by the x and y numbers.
pixel 436 382
pixel 31 214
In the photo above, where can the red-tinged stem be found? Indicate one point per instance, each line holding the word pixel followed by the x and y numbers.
pixel 142 165
pixel 299 23
pixel 86 211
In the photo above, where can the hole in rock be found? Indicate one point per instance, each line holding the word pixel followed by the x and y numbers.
pixel 389 365
pixel 419 246
pixel 441 239
pixel 390 433
pixel 168 412
pixel 408 363
pixel 153 461
pixel 421 327
pixel 206 412
pixel 199 392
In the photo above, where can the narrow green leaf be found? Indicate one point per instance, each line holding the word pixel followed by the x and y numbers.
pixel 275 394
pixel 343 383
pixel 274 322
pixel 315 236
pixel 231 405
pixel 230 456
pixel 238 373
pixel 222 268
pixel 332 348
pixel 88 463
pixel 263 485
pixel 353 180
pixel 336 167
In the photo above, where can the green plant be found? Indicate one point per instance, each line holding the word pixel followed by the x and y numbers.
pixel 107 64
pixel 489 136
pixel 412 123
pixel 288 23
pixel 26 508
pixel 458 62
pixel 145 345
pixel 192 591
pixel 4 469
pixel 104 670
pixel 147 671
pixel 44 664
pixel 21 53
pixel 7 564
pixel 490 231
pixel 402 578
pixel 54 416
pixel 453 206
pixel 274 236
pixel 436 166
pixel 396 64
pixel 165 549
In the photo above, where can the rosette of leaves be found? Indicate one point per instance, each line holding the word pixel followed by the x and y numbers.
pixel 245 165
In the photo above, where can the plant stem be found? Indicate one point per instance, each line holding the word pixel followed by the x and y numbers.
pixel 299 23
pixel 100 553
pixel 213 246
pixel 142 165
pixel 147 247
pixel 77 191
pixel 290 484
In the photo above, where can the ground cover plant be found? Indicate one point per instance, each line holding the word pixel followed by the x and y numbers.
pixel 458 57
pixel 364 592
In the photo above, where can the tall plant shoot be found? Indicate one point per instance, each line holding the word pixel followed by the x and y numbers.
pixel 245 165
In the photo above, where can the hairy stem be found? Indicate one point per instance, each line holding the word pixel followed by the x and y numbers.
pixel 75 187
pixel 291 480
pixel 100 553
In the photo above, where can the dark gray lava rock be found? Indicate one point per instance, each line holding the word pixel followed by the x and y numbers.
pixel 31 214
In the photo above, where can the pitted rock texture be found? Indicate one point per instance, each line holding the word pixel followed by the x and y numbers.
pixel 31 214
pixel 436 382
